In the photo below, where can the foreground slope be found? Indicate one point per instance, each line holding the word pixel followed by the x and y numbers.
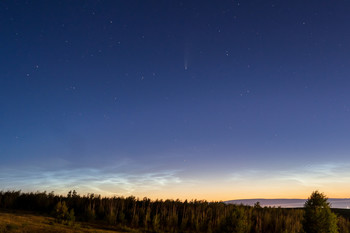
pixel 19 222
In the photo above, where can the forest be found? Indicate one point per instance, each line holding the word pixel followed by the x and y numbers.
pixel 145 215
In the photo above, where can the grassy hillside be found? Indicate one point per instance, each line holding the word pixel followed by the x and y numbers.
pixel 18 222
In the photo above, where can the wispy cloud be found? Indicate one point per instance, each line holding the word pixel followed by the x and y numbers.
pixel 323 175
pixel 320 174
pixel 114 180
pixel 132 178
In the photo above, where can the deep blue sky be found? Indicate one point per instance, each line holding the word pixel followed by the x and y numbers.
pixel 188 99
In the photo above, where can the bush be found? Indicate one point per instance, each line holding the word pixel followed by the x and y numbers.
pixel 62 215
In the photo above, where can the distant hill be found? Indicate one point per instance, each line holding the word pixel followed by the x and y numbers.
pixel 342 203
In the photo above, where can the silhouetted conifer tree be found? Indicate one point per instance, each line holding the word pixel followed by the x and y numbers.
pixel 318 215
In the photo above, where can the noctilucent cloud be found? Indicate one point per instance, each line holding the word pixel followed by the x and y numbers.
pixel 213 100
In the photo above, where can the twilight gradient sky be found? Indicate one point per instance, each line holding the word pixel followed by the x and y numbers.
pixel 213 100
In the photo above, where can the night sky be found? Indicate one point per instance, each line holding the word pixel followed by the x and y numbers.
pixel 211 100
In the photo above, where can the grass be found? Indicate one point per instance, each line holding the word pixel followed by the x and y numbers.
pixel 22 222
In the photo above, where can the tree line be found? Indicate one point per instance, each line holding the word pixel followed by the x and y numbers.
pixel 175 215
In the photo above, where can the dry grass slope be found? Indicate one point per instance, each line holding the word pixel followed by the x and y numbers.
pixel 29 223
